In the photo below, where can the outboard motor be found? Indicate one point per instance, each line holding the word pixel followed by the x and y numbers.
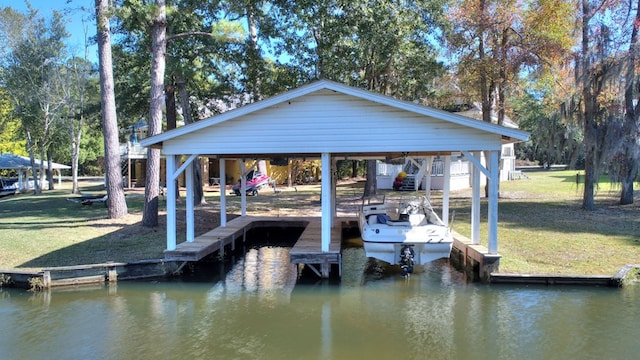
pixel 406 260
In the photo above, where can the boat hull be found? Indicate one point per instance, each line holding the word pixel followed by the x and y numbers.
pixel 384 242
pixel 384 239
pixel 424 252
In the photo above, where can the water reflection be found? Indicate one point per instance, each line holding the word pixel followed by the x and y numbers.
pixel 257 311
pixel 266 271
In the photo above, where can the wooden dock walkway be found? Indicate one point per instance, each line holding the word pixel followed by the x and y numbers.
pixel 307 250
pixel 210 241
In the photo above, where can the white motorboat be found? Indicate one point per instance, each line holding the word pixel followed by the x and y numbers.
pixel 418 235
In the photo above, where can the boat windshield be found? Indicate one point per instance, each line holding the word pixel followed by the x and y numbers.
pixel 415 205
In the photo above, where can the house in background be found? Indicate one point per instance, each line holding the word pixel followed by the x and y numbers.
pixel 419 169
pixel 133 156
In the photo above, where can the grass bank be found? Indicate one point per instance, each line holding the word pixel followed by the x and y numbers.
pixel 542 228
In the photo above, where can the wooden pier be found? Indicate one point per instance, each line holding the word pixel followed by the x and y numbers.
pixel 209 242
pixel 307 250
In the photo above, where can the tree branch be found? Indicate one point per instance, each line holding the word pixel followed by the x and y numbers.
pixel 190 33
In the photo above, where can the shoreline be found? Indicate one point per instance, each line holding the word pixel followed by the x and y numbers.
pixel 111 272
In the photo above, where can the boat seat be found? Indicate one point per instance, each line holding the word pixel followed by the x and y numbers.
pixel 382 218
pixel 373 219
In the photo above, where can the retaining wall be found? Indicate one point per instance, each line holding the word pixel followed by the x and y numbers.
pixel 88 274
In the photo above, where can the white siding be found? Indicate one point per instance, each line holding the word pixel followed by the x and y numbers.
pixel 328 121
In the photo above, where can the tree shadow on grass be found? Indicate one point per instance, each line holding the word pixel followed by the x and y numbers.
pixel 48 207
pixel 131 242
pixel 567 217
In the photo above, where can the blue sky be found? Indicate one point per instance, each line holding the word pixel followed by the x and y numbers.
pixel 74 13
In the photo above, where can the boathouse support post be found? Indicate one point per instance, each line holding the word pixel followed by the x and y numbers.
pixel 172 175
pixel 189 211
pixel 223 192
pixel 171 203
pixel 243 188
pixel 422 172
pixel 325 200
pixel 492 174
pixel 334 183
pixel 446 187
pixel 475 196
pixel 492 211
pixel 428 165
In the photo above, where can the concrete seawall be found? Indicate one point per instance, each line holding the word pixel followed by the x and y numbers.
pixel 478 265
pixel 474 260
pixel 87 274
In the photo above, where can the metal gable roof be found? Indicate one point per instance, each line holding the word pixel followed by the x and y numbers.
pixel 12 161
pixel 507 134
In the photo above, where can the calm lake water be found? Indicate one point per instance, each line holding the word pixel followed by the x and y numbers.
pixel 255 310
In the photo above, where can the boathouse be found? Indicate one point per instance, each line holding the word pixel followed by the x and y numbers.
pixel 329 121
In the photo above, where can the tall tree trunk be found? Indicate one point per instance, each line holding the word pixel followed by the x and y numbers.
pixel 170 105
pixel 504 72
pixel 183 95
pixel 116 204
pixel 254 62
pixel 629 161
pixel 32 160
pixel 370 186
pixel 486 84
pixel 75 154
pixel 485 89
pixel 198 192
pixel 172 117
pixel 50 170
pixel 41 171
pixel 589 113
pixel 158 62
pixel 589 165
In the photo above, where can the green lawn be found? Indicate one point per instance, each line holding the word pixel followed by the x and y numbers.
pixel 541 227
pixel 47 230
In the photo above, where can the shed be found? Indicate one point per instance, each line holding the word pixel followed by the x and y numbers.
pixel 331 121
